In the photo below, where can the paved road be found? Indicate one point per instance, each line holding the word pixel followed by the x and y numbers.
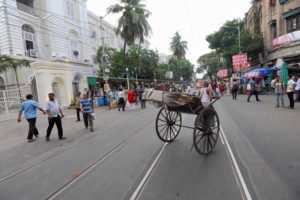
pixel 266 142
pixel 111 162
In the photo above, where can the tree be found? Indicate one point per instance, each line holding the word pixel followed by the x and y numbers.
pixel 178 47
pixel 115 62
pixel 225 41
pixel 7 63
pixel 133 23
pixel 181 68
pixel 211 63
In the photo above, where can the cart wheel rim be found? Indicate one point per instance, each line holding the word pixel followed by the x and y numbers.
pixel 168 124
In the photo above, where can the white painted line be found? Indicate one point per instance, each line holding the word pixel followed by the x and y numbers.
pixel 236 167
pixel 221 135
pixel 138 189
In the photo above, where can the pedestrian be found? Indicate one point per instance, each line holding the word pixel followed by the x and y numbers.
pixel 91 93
pixel 140 93
pixel 77 105
pixel 111 96
pixel 297 89
pixel 253 90
pixel 290 90
pixel 54 117
pixel 234 89
pixel 205 93
pixel 279 89
pixel 222 87
pixel 121 99
pixel 267 83
pixel 87 108
pixel 29 106
pixel 131 99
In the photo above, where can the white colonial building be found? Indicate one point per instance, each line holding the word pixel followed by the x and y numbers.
pixel 60 38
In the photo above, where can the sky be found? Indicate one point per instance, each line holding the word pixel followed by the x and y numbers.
pixel 193 19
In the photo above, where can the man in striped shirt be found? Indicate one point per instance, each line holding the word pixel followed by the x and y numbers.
pixel 87 108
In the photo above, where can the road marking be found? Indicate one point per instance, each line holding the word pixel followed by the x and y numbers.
pixel 239 176
pixel 145 178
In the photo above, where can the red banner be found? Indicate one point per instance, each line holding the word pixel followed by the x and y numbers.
pixel 240 61
pixel 222 73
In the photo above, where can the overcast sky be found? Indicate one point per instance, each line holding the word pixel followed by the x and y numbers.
pixel 193 19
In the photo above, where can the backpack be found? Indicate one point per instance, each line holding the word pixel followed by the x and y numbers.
pixel 235 86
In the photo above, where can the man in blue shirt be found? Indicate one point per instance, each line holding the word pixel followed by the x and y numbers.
pixel 29 107
pixel 87 108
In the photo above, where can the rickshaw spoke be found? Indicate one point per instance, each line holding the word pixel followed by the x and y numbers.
pixel 209 143
pixel 210 135
pixel 163 128
pixel 162 120
pixel 204 143
pixel 166 131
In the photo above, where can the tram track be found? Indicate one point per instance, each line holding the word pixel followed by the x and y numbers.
pixel 83 172
pixel 34 162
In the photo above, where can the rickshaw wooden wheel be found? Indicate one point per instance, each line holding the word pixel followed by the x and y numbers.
pixel 168 124
pixel 206 131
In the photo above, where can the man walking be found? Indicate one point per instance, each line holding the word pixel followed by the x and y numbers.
pixel 29 107
pixel 87 108
pixel 278 88
pixel 234 89
pixel 54 112
pixel 253 90
pixel 290 91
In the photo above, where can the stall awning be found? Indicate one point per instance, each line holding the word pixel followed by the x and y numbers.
pixel 258 72
pixel 291 12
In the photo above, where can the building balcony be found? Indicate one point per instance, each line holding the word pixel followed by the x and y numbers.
pixel 26 8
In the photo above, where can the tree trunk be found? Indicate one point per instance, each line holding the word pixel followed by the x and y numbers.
pixel 124 49
pixel 18 85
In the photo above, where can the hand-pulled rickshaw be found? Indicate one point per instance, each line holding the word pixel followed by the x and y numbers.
pixel 169 120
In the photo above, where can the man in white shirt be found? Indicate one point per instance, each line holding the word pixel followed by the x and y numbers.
pixel 297 88
pixel 290 91
pixel 54 111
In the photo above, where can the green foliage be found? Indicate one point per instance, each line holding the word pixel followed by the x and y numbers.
pixel 225 41
pixel 7 63
pixel 181 68
pixel 178 47
pixel 211 63
pixel 147 61
pixel 133 23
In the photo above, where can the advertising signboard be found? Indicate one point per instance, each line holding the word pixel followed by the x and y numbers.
pixel 222 73
pixel 240 61
pixel 286 39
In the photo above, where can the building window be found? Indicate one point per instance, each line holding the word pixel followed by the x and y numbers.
pixel 293 23
pixel 70 9
pixel 273 31
pixel 29 41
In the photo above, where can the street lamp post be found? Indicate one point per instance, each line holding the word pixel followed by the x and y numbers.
pixel 127 78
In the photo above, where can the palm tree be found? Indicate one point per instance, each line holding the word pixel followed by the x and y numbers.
pixel 133 23
pixel 178 47
pixel 7 63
